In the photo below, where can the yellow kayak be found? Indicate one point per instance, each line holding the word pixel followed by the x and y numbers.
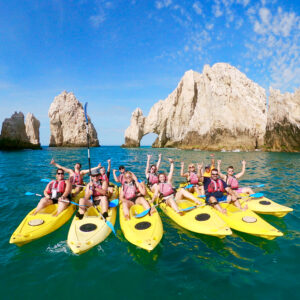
pixel 248 221
pixel 202 220
pixel 36 226
pixel 145 232
pixel 91 229
pixel 265 206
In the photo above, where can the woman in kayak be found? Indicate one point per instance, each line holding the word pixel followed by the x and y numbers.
pixel 151 172
pixel 120 178
pixel 56 191
pixel 132 192
pixel 165 190
pixel 232 180
pixel 75 176
pixel 193 178
pixel 94 191
pixel 215 189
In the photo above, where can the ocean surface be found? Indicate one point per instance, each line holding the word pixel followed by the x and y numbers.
pixel 184 265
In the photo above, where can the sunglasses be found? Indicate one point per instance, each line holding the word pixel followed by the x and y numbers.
pixel 60 173
pixel 215 174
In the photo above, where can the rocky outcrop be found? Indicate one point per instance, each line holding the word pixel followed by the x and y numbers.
pixel 32 128
pixel 283 124
pixel 13 134
pixel 67 123
pixel 218 109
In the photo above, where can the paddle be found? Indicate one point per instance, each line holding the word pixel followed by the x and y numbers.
pixel 89 160
pixel 256 186
pixel 256 195
pixel 191 207
pixel 145 212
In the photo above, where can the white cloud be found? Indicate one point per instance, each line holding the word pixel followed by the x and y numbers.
pixel 197 8
pixel 209 26
pixel 97 20
pixel 162 4
pixel 216 9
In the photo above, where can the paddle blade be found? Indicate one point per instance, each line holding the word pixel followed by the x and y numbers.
pixel 260 185
pixel 143 213
pixel 85 112
pixel 257 195
pixel 188 186
pixel 29 194
pixel 201 196
pixel 188 208
pixel 45 180
pixel 111 227
pixel 114 203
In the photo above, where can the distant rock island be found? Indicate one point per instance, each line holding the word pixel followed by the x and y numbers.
pixel 17 135
pixel 67 123
pixel 220 109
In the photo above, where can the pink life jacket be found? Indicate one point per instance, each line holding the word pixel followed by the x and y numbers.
pixel 166 189
pixel 104 178
pixel 121 179
pixel 215 186
pixel 60 186
pixel 232 182
pixel 76 179
pixel 193 178
pixel 93 187
pixel 153 178
pixel 130 190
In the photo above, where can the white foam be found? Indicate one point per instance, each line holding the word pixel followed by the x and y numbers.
pixel 61 247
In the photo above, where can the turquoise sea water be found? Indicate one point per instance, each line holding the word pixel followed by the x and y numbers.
pixel 184 264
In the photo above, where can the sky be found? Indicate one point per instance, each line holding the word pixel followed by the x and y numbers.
pixel 118 55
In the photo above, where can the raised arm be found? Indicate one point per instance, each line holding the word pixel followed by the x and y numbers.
pixel 243 170
pixel 148 165
pixel 61 167
pixel 182 174
pixel 115 175
pixel 212 161
pixel 84 172
pixel 140 186
pixel 158 162
pixel 199 170
pixel 223 176
pixel 108 165
pixel 170 176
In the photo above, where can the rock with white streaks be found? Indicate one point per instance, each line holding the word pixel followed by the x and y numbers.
pixel 32 127
pixel 218 109
pixel 283 125
pixel 67 123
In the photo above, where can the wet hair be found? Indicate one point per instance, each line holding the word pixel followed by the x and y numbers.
pixel 60 169
pixel 121 167
pixel 230 167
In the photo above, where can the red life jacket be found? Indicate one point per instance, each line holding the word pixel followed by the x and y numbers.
pixel 104 178
pixel 60 186
pixel 121 179
pixel 166 189
pixel 93 187
pixel 130 190
pixel 215 186
pixel 153 178
pixel 193 178
pixel 232 182
pixel 76 179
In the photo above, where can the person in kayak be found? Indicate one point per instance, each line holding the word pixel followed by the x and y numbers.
pixel 208 168
pixel 132 192
pixel 57 191
pixel 151 172
pixel 193 178
pixel 95 194
pixel 104 178
pixel 119 178
pixel 165 190
pixel 214 192
pixel 75 176
pixel 232 180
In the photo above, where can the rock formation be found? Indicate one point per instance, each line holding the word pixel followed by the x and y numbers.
pixel 13 134
pixel 283 124
pixel 67 123
pixel 218 109
pixel 32 127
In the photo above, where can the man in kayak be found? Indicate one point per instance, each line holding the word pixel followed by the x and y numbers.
pixel 151 172
pixel 95 194
pixel 215 189
pixel 132 192
pixel 193 178
pixel 208 168
pixel 165 190
pixel 232 180
pixel 119 178
pixel 75 176
pixel 56 191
